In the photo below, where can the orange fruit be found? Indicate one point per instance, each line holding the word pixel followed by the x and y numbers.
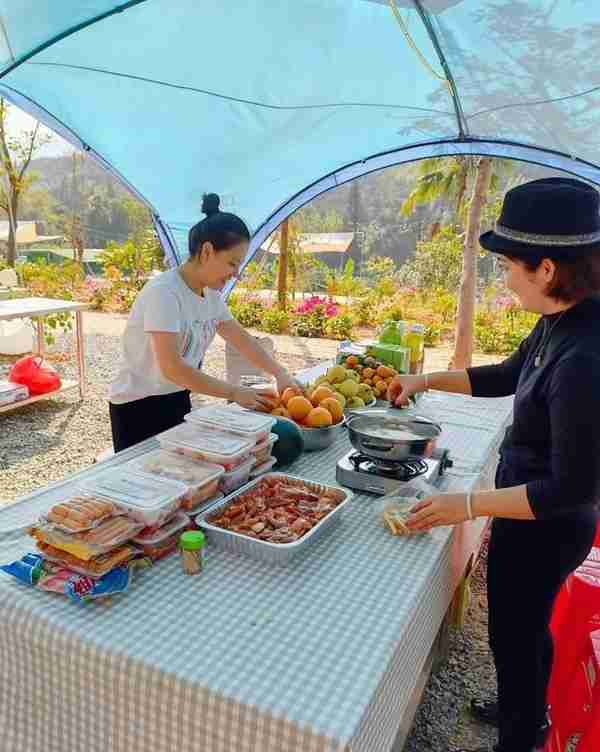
pixel 321 393
pixel 288 394
pixel 280 412
pixel 319 417
pixel 384 372
pixel 377 380
pixel 334 408
pixel 381 389
pixel 352 361
pixel 368 373
pixel 299 407
pixel 368 382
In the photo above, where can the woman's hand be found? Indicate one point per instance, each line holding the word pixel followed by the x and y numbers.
pixel 445 509
pixel 285 380
pixel 403 387
pixel 252 399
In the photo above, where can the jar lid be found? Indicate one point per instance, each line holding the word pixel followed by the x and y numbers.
pixel 192 540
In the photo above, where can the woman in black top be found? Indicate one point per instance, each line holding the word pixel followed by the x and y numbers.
pixel 545 506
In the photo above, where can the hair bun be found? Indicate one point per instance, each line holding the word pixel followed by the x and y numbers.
pixel 210 204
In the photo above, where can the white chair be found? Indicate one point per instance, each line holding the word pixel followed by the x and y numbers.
pixel 8 278
pixel 240 370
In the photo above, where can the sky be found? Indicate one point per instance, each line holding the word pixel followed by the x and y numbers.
pixel 19 121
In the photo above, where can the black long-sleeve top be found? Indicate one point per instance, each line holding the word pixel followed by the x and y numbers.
pixel 553 444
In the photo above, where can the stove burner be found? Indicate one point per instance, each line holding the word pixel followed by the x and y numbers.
pixel 403 471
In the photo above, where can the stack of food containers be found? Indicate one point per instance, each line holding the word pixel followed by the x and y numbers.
pixel 252 427
pixel 200 478
pixel 154 502
pixel 95 532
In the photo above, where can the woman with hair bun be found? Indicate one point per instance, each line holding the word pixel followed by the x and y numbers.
pixel 170 328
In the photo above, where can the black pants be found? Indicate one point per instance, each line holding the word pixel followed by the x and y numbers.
pixel 528 561
pixel 137 421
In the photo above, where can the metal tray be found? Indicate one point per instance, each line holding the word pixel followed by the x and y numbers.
pixel 280 554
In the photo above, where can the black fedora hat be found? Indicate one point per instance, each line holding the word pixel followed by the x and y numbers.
pixel 554 217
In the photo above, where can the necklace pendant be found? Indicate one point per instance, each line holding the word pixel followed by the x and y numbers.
pixel 538 361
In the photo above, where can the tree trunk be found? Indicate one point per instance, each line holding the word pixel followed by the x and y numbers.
pixel 283 266
pixel 11 250
pixel 463 345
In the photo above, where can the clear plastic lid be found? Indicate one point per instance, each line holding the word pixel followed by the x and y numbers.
pixel 178 523
pixel 263 468
pixel 9 387
pixel 191 437
pixel 232 418
pixel 177 467
pixel 143 492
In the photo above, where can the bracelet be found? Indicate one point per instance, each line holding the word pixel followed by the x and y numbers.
pixel 469 502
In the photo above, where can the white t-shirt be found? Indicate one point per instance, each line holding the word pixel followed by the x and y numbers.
pixel 166 304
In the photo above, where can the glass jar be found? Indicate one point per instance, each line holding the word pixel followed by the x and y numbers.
pixel 414 340
pixel 191 547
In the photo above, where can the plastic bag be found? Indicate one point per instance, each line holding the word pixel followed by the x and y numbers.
pixel 393 510
pixel 36 374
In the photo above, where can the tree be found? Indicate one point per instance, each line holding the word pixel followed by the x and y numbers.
pixel 283 265
pixel 463 343
pixel 449 179
pixel 16 154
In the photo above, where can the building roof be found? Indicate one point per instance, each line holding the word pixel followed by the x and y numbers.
pixel 317 242
pixel 26 233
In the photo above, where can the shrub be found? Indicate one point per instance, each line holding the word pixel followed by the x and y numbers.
pixel 275 321
pixel 248 311
pixel 339 327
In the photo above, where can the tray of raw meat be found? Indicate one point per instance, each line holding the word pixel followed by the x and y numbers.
pixel 274 517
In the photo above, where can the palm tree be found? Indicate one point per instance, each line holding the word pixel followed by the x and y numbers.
pixel 449 179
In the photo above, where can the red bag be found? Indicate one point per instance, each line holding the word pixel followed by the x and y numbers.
pixel 35 373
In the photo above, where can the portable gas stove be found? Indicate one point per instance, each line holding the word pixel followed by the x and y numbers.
pixel 363 473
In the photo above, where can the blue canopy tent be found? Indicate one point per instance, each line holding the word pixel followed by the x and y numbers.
pixel 272 102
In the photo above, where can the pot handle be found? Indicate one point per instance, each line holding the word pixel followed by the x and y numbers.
pixel 377 447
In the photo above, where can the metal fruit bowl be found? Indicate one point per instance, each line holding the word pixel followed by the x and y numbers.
pixel 352 410
pixel 316 439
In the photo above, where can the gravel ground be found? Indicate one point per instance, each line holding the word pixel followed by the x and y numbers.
pixel 51 439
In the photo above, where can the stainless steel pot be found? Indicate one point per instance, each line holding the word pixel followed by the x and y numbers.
pixel 393 438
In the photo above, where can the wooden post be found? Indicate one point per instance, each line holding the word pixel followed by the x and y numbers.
pixel 284 241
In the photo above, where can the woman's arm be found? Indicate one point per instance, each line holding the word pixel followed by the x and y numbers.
pixel 175 369
pixel 244 343
pixel 450 509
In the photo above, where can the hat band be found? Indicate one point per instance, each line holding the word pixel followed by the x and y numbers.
pixel 557 240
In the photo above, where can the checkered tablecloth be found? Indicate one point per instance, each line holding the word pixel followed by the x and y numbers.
pixel 320 656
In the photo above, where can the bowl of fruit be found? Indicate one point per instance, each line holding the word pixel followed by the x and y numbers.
pixel 357 383
pixel 317 411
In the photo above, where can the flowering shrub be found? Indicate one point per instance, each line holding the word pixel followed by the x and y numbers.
pixel 330 308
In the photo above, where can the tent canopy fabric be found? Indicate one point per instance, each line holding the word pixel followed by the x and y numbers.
pixel 271 102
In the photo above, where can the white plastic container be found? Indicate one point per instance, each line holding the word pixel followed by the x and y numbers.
pixel 264 468
pixel 16 337
pixel 146 498
pixel 201 478
pixel 262 451
pixel 164 541
pixel 234 479
pixel 234 419
pixel 219 448
pixel 10 392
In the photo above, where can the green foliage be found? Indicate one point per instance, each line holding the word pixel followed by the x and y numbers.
pixel 339 327
pixel 501 331
pixel 309 325
pixel 257 276
pixel 274 321
pixel 437 263
pixel 135 259
pixel 248 311
pixel 52 280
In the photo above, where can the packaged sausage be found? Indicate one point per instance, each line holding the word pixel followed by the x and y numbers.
pixel 83 512
pixel 107 535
